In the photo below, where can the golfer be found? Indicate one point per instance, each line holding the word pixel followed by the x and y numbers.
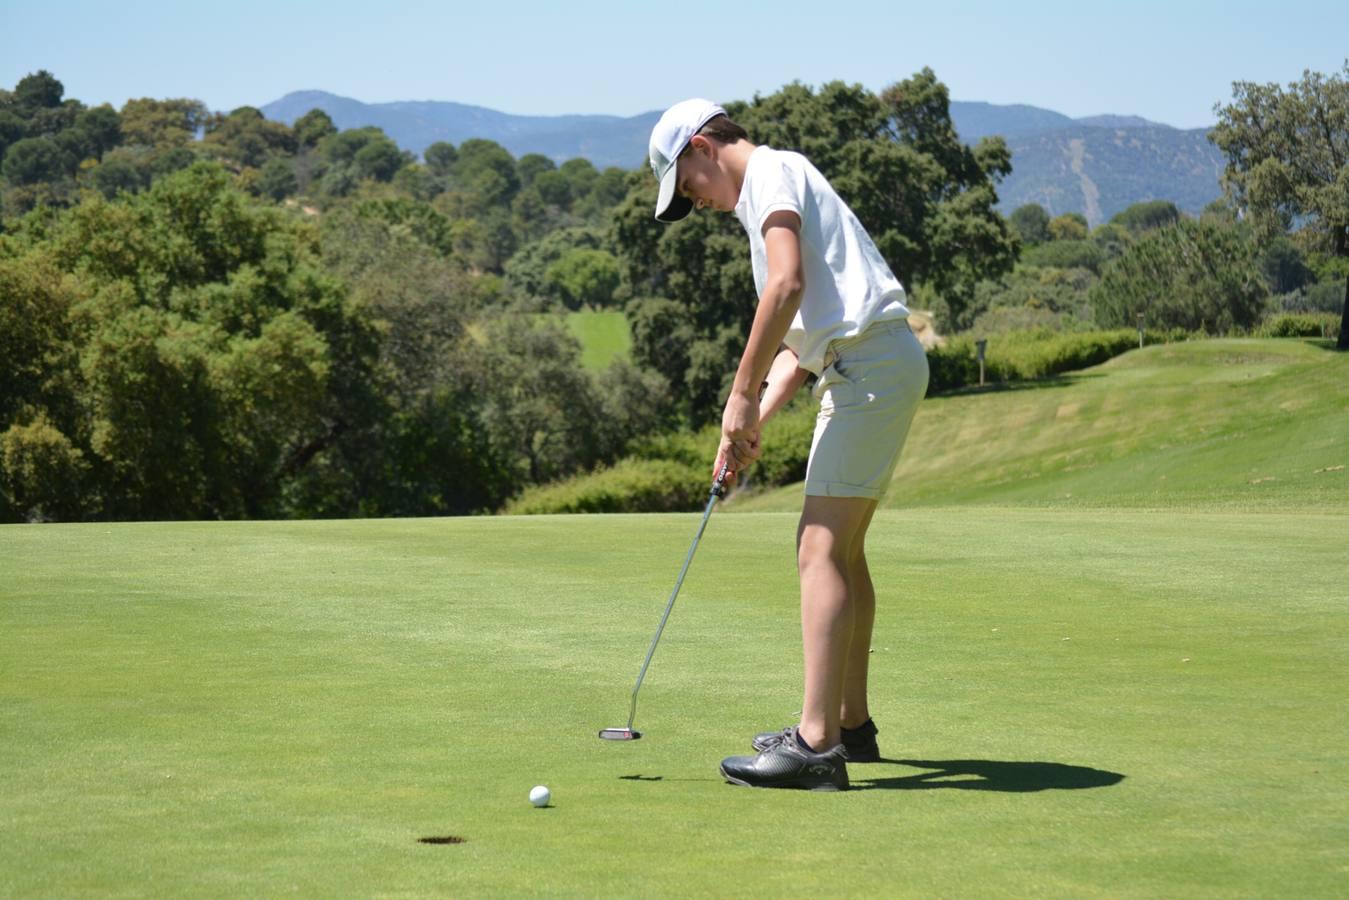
pixel 828 306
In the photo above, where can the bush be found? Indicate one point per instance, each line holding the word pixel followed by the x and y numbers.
pixel 952 365
pixel 1026 355
pixel 786 445
pixel 1300 325
pixel 631 485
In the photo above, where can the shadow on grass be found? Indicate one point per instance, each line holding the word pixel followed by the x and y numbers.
pixel 998 387
pixel 966 775
pixel 988 775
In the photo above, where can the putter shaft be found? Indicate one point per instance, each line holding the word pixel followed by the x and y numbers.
pixel 718 488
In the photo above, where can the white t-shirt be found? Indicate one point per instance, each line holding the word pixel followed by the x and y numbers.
pixel 848 285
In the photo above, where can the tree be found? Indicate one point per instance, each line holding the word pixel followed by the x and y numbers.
pixel 313 127
pixel 1192 275
pixel 1068 227
pixel 163 124
pixel 1031 223
pixel 246 138
pixel 183 348
pixel 440 157
pixel 34 160
pixel 526 270
pixel 487 169
pixel 12 128
pixel 584 278
pixel 1148 215
pixel 119 172
pixel 40 90
pixel 101 129
pixel 277 179
pixel 1288 161
pixel 531 165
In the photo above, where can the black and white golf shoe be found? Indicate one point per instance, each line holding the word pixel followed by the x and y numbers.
pixel 860 742
pixel 786 764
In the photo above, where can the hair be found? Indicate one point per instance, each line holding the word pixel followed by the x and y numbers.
pixel 722 130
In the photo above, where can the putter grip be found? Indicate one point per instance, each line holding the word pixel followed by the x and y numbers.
pixel 719 486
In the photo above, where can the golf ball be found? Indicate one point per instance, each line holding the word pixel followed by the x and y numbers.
pixel 540 796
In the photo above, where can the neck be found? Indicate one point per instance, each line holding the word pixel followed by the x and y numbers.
pixel 734 158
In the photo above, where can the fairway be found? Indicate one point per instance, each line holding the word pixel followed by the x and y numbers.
pixel 1073 703
pixel 604 337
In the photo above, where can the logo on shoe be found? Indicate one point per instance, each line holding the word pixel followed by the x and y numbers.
pixel 820 769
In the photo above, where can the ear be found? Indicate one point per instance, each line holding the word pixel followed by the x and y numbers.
pixel 704 146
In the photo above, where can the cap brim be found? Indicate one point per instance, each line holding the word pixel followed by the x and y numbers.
pixel 670 206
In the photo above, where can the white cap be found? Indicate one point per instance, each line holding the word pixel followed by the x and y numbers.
pixel 668 139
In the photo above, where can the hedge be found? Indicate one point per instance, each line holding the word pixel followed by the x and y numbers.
pixel 1300 325
pixel 630 485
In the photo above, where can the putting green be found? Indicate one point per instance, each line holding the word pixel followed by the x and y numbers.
pixel 1105 702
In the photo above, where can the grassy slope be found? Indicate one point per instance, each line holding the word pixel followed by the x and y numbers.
pixel 603 335
pixel 267 708
pixel 1231 423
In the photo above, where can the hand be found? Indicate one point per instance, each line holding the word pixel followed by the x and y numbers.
pixel 722 455
pixel 739 432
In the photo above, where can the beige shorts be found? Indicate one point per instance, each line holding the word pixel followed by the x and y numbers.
pixel 868 393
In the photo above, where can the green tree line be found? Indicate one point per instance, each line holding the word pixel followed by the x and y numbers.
pixel 216 315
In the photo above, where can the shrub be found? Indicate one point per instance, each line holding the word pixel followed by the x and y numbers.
pixel 786 445
pixel 631 485
pixel 953 365
pixel 1026 355
pixel 1300 325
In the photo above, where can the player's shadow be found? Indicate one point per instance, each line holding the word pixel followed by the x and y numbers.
pixel 986 775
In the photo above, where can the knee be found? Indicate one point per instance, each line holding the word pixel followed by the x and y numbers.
pixel 818 547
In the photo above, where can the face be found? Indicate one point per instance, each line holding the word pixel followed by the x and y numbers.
pixel 701 180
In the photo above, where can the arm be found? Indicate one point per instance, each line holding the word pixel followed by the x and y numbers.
pixel 784 380
pixel 777 307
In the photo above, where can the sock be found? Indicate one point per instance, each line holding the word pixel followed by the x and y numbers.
pixel 801 742
pixel 859 727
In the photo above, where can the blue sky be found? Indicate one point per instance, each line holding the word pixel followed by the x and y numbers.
pixel 1166 61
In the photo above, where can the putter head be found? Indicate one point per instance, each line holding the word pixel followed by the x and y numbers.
pixel 620 734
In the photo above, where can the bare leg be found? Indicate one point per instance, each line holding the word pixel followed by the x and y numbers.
pixel 830 529
pixel 863 596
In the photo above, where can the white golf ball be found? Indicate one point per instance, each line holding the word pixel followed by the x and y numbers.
pixel 540 796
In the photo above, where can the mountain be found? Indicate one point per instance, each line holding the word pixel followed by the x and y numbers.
pixel 1101 171
pixel 416 125
pixel 1096 165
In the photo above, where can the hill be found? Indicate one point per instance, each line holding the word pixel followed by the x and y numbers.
pixel 1096 165
pixel 416 125
pixel 1208 424
pixel 1100 171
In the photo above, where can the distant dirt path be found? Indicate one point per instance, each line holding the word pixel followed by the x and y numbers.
pixel 1091 195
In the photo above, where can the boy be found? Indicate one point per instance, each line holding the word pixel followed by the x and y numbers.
pixel 828 306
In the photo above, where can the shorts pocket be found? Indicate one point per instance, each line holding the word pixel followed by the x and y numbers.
pixel 834 390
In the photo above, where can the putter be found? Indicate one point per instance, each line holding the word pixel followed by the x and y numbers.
pixel 626 733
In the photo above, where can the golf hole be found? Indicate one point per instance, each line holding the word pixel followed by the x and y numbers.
pixel 447 839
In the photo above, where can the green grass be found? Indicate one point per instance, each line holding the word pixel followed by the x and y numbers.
pixel 1109 662
pixel 1233 424
pixel 604 337
pixel 1154 701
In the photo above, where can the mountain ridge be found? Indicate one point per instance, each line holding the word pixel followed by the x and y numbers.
pixel 1095 165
